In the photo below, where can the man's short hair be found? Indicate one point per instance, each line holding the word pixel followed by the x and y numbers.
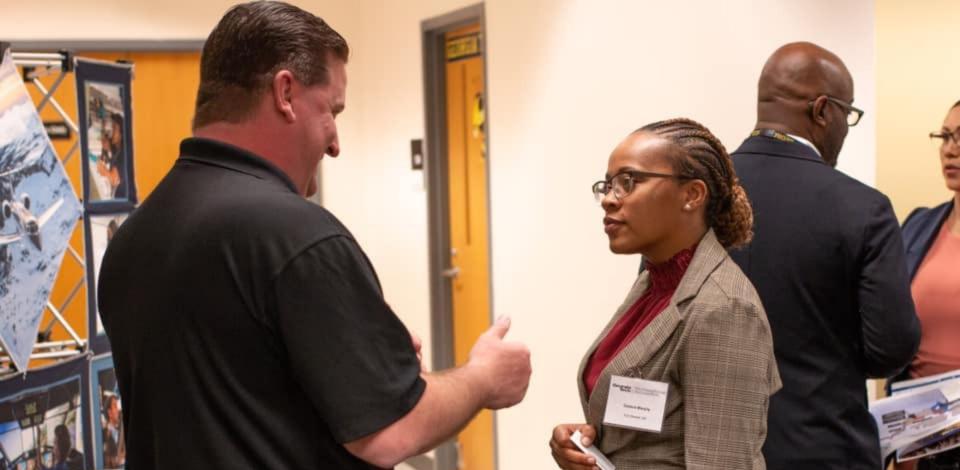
pixel 250 44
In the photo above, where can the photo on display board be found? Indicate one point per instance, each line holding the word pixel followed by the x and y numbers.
pixel 38 212
pixel 109 447
pixel 42 419
pixel 106 135
pixel 99 230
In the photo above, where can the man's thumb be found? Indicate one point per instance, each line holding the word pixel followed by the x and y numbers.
pixel 500 327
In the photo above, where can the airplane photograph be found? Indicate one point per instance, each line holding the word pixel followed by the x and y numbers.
pixel 39 210
pixel 27 225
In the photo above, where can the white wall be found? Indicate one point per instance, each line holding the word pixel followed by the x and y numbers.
pixel 132 19
pixel 371 187
pixel 566 81
pixel 109 19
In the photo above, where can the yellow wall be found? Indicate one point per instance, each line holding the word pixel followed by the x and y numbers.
pixel 918 78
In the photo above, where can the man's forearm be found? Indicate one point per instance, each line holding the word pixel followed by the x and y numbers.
pixel 450 399
pixel 496 376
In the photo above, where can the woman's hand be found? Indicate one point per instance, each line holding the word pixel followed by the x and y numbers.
pixel 566 454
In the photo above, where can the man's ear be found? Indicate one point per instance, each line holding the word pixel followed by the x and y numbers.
pixel 695 194
pixel 818 109
pixel 282 93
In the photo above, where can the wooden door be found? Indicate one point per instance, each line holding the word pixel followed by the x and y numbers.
pixel 467 180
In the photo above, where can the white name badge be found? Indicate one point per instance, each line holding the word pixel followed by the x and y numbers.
pixel 636 404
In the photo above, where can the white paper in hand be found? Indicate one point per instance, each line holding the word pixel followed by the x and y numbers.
pixel 602 461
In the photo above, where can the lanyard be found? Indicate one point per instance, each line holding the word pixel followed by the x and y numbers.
pixel 773 135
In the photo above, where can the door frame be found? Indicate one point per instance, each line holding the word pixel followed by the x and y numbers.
pixel 438 218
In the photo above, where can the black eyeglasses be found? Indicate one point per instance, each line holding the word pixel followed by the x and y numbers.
pixel 946 136
pixel 854 114
pixel 623 183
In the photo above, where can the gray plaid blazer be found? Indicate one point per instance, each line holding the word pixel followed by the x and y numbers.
pixel 712 345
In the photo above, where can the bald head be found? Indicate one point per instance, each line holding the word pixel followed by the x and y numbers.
pixel 803 70
pixel 791 95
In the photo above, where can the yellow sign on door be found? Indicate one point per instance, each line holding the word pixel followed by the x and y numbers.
pixel 463 47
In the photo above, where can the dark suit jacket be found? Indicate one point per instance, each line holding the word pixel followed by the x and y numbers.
pixel 828 262
pixel 920 230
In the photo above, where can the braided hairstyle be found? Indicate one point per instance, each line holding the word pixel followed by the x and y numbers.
pixel 728 210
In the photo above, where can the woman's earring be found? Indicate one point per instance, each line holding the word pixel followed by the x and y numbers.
pixel 687 207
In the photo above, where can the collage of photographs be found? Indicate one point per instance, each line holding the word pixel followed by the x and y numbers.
pixel 65 416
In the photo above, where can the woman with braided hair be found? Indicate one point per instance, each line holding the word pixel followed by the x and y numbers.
pixel 682 374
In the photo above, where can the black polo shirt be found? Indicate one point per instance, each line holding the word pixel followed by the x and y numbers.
pixel 249 329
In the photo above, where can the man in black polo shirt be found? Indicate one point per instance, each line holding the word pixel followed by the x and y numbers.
pixel 249 329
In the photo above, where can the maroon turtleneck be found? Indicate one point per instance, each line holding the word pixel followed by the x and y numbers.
pixel 664 279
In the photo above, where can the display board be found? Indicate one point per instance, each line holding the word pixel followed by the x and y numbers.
pixel 66 415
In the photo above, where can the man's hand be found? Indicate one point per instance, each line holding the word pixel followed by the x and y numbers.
pixel 567 455
pixel 505 366
pixel 496 376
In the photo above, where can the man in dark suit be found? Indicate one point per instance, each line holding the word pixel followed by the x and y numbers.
pixel 828 263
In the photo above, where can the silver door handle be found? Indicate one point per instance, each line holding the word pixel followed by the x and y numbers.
pixel 451 273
